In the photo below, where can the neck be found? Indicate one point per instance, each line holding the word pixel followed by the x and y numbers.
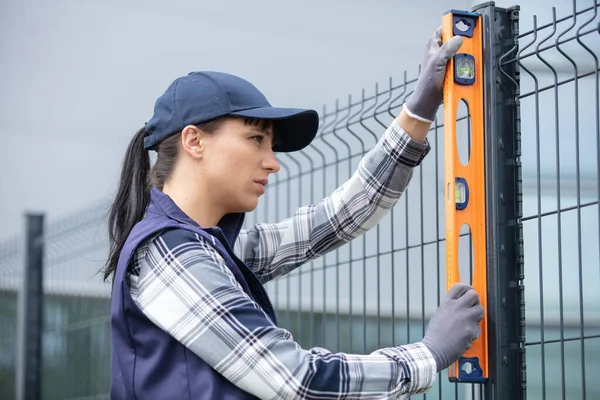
pixel 194 201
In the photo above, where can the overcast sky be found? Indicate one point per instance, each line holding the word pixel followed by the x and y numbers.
pixel 78 78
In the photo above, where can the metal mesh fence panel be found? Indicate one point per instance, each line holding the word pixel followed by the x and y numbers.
pixel 560 154
pixel 11 264
pixel 381 289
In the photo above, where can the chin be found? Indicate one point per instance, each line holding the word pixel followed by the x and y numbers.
pixel 252 207
pixel 248 206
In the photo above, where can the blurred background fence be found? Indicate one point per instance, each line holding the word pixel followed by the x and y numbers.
pixel 560 127
pixel 381 289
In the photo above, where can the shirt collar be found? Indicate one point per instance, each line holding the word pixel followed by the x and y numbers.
pixel 162 204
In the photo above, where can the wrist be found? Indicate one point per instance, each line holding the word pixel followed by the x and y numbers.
pixel 416 128
pixel 437 355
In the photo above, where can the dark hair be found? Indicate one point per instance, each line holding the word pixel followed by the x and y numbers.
pixel 137 178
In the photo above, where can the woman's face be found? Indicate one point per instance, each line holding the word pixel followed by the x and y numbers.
pixel 236 163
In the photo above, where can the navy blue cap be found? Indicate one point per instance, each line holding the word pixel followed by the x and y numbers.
pixel 203 96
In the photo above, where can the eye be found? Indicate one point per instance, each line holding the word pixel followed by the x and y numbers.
pixel 258 138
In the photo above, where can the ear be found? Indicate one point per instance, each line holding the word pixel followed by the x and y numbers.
pixel 192 141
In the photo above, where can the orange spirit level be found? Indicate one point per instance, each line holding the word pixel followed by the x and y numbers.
pixel 465 184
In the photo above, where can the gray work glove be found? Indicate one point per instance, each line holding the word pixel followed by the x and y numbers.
pixel 454 325
pixel 428 94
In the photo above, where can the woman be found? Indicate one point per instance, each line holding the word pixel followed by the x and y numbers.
pixel 190 317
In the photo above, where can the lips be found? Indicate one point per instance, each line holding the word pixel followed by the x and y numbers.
pixel 263 182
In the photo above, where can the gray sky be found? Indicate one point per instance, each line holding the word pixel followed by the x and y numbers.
pixel 79 77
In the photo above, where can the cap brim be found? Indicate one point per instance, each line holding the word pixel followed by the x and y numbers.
pixel 294 128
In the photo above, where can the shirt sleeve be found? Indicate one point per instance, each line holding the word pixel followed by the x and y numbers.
pixel 184 286
pixel 274 249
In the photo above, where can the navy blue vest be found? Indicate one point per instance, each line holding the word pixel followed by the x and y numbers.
pixel 148 363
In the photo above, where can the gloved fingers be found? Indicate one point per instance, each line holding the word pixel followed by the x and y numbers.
pixel 481 315
pixel 458 290
pixel 477 313
pixel 470 298
pixel 449 49
pixel 477 333
pixel 437 36
pixel 434 43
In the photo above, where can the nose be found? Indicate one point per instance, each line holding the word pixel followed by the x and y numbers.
pixel 270 163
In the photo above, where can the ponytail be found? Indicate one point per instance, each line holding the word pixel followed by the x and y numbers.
pixel 131 201
pixel 133 195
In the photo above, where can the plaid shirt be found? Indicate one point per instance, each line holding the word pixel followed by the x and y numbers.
pixel 183 285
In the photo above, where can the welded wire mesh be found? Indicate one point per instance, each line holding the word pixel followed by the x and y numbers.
pixel 380 289
pixel 11 264
pixel 377 291
pixel 560 155
pixel 75 337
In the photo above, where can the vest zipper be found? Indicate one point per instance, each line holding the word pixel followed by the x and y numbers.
pixel 257 281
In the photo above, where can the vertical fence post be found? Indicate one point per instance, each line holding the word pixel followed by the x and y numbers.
pixel 30 314
pixel 506 313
